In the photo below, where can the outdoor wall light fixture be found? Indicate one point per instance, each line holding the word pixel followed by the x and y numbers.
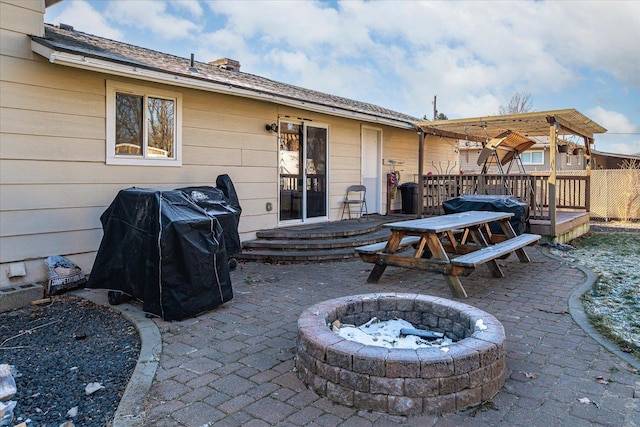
pixel 271 127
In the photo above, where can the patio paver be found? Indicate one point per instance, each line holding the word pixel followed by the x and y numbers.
pixel 247 347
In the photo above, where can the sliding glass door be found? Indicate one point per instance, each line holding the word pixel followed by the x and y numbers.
pixel 303 171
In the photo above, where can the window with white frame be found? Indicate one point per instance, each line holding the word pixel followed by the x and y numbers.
pixel 532 157
pixel 144 125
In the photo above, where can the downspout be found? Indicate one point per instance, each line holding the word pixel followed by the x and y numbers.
pixel 420 173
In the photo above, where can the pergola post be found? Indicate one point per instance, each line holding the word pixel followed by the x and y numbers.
pixel 587 196
pixel 553 139
pixel 420 173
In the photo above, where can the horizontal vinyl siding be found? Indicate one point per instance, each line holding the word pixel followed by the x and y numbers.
pixel 42 123
pixel 441 155
pixel 24 197
pixel 37 221
pixel 54 183
pixel 41 73
pixel 344 162
pixel 21 96
pixel 54 180
pixel 469 159
pixel 23 16
pixel 51 148
pixel 40 246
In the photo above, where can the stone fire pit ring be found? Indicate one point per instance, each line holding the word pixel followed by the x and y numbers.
pixel 402 381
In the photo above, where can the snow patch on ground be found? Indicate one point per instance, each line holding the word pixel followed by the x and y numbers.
pixel 615 298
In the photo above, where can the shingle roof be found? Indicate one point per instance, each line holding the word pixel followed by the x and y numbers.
pixel 83 44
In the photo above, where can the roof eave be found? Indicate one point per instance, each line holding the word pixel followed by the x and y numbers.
pixel 115 68
pixel 618 155
pixel 48 3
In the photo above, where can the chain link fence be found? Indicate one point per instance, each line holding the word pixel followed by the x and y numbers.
pixel 615 194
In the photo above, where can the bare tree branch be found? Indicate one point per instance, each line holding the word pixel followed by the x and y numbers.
pixel 520 102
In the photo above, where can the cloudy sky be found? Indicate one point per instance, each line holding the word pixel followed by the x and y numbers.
pixel 474 55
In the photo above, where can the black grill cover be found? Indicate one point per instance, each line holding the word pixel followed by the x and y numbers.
pixel 222 203
pixel 161 248
pixel 492 203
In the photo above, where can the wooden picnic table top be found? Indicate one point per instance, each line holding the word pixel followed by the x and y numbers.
pixel 438 224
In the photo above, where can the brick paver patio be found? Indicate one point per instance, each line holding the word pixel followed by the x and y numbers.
pixel 234 366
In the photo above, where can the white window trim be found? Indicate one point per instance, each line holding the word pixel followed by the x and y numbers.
pixel 111 157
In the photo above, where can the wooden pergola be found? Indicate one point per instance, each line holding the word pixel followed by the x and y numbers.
pixel 541 123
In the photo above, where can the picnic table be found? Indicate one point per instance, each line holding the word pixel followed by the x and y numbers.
pixel 453 245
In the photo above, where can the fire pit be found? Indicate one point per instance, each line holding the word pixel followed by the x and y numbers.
pixel 402 381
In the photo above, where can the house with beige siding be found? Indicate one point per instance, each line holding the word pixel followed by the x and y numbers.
pixel 82 117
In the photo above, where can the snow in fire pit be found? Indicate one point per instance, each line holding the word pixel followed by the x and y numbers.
pixel 377 374
pixel 397 333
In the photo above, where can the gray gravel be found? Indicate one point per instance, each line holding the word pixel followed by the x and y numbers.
pixel 68 344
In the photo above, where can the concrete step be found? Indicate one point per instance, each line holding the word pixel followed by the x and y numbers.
pixel 332 241
pixel 297 256
pixel 329 230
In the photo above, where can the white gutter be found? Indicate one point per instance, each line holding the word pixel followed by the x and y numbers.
pixel 99 65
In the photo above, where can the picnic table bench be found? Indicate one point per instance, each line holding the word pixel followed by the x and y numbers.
pixel 453 245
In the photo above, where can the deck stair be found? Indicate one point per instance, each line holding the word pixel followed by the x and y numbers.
pixel 330 241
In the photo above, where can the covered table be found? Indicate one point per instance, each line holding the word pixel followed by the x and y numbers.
pixel 162 248
pixel 492 203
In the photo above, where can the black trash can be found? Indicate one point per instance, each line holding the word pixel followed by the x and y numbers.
pixel 493 203
pixel 409 193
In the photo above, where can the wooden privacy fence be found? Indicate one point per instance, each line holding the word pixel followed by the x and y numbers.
pixel 571 190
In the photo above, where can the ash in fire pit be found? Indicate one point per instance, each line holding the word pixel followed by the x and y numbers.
pixel 402 381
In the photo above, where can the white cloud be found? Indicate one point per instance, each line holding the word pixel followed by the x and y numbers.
pixel 222 43
pixel 470 52
pixel 599 35
pixel 613 121
pixel 191 6
pixel 83 17
pixel 399 54
pixel 622 136
pixel 152 16
pixel 628 146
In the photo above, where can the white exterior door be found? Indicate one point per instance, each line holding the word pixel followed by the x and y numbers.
pixel 372 167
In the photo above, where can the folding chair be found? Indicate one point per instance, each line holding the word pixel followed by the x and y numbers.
pixel 356 195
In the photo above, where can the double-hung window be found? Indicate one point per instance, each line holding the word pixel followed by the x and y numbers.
pixel 144 126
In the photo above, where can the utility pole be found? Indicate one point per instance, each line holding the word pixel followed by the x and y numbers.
pixel 435 109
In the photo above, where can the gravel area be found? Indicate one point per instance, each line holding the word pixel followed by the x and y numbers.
pixel 57 349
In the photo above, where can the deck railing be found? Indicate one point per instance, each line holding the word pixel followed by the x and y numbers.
pixel 572 191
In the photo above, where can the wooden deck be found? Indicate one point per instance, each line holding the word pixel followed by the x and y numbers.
pixel 569 225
